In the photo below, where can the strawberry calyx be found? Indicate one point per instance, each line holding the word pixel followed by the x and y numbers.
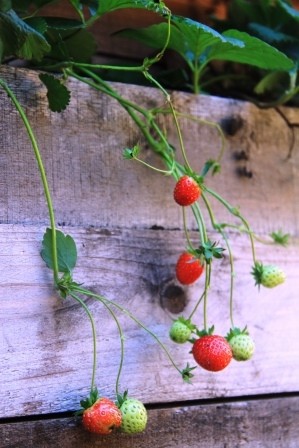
pixel 207 251
pixel 235 331
pixel 186 322
pixel 210 165
pixel 205 332
pixel 66 284
pixel 187 373
pixel 121 398
pixel 257 272
pixel 199 179
pixel 89 401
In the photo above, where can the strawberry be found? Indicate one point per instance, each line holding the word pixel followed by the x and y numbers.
pixel 134 414
pixel 268 275
pixel 188 268
pixel 181 330
pixel 186 191
pixel 100 415
pixel 241 344
pixel 212 352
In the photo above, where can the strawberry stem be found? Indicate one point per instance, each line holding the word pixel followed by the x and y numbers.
pixel 234 211
pixel 94 337
pixel 122 351
pixel 104 300
pixel 185 228
pixel 42 174
pixel 231 260
pixel 197 304
pixel 208 123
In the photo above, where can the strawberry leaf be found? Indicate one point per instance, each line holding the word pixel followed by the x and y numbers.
pixel 58 95
pixel 69 41
pixel 254 52
pixel 187 37
pixel 66 251
pixel 17 38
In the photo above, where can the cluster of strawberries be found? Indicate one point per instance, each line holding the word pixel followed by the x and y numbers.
pixel 102 416
pixel 213 352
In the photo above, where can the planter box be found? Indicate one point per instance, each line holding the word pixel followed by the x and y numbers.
pixel 129 236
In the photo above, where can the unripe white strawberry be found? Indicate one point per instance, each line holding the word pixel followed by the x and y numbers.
pixel 181 330
pixel 241 344
pixel 134 416
pixel 268 275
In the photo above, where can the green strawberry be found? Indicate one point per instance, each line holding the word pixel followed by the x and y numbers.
pixel 181 330
pixel 268 275
pixel 241 344
pixel 134 414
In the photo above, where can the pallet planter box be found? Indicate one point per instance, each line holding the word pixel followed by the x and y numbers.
pixel 129 236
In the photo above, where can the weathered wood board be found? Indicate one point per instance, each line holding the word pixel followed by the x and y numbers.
pixel 236 424
pixel 129 236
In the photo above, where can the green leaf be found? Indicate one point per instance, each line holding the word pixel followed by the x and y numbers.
pixel 20 39
pixel 255 52
pixel 193 38
pixel 66 251
pixel 58 95
pixel 187 37
pixel 78 45
pixel 37 23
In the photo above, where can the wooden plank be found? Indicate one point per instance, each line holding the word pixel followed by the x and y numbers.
pixel 92 184
pixel 46 341
pixel 270 423
pixel 46 348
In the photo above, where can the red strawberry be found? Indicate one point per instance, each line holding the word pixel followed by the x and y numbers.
pixel 188 268
pixel 212 352
pixel 101 417
pixel 186 191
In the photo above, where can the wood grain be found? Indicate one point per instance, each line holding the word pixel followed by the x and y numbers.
pixel 92 184
pixel 270 423
pixel 46 350
pixel 129 236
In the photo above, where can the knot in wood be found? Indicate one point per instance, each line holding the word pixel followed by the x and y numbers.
pixel 173 297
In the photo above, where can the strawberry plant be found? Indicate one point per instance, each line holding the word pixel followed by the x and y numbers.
pixel 61 49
